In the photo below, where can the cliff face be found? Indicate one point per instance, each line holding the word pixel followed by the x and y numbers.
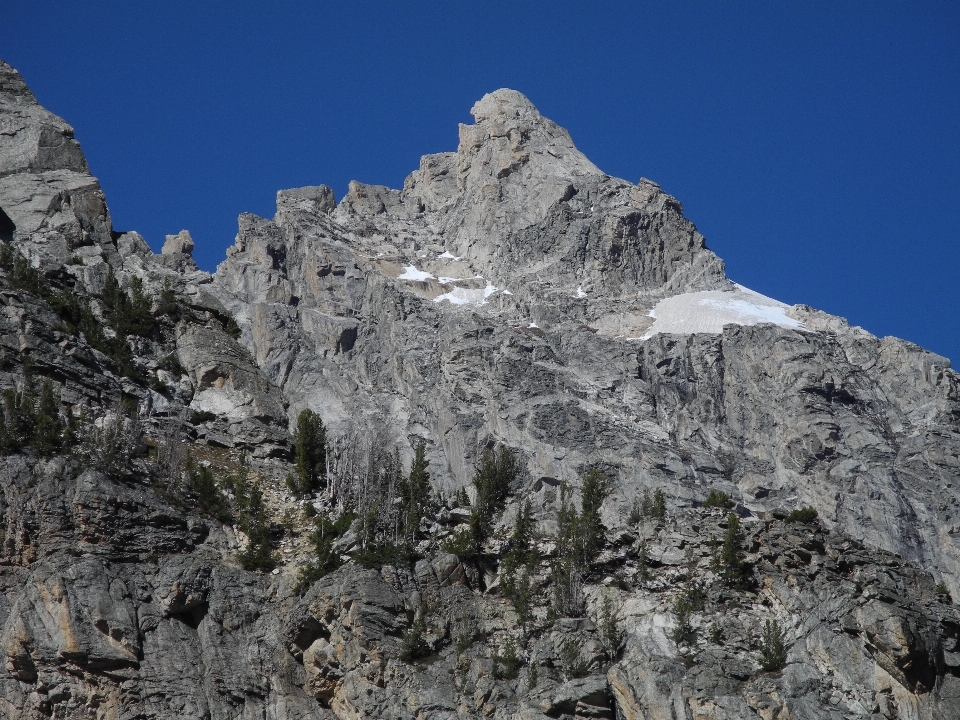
pixel 505 294
pixel 510 294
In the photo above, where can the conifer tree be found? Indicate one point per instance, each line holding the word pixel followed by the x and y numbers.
pixel 732 562
pixel 492 481
pixel 415 491
pixel 592 495
pixel 258 554
pixel 659 507
pixel 310 443
pixel 522 552
pixel 48 427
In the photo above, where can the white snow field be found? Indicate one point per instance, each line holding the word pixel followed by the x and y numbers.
pixel 709 311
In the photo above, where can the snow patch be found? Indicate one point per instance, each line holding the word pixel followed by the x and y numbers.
pixel 580 292
pixel 467 296
pixel 533 325
pixel 447 255
pixel 709 311
pixel 411 273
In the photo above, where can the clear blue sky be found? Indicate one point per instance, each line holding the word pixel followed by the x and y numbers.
pixel 815 144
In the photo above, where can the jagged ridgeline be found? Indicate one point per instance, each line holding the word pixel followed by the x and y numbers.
pixel 504 443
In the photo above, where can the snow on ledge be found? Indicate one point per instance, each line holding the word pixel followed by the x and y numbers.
pixel 467 296
pixel 709 311
pixel 411 273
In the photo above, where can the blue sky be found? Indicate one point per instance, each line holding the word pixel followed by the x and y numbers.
pixel 816 145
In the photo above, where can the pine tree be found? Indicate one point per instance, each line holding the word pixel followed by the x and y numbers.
pixel 732 562
pixel 258 554
pixel 310 443
pixel 659 506
pixel 611 635
pixel 168 304
pixel 522 552
pixel 594 492
pixel 112 295
pixel 567 527
pixel 139 317
pixel 325 533
pixel 210 500
pixel 773 650
pixel 492 480
pixel 416 491
pixel 683 632
pixel 48 427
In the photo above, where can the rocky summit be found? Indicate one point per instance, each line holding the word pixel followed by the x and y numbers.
pixel 503 443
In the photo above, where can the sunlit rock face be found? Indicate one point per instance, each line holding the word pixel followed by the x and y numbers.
pixel 512 293
pixel 509 294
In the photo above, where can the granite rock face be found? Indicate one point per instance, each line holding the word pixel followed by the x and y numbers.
pixel 504 296
pixel 511 294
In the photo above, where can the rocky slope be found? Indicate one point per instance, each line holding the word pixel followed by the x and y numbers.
pixel 510 295
pixel 504 296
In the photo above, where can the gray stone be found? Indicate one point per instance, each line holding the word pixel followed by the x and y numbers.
pixel 179 243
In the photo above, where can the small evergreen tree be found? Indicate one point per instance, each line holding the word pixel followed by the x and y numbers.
pixel 522 552
pixel 568 528
pixel 718 499
pixel 203 486
pixel 415 492
pixel 567 582
pixel 168 304
pixel 258 555
pixel 324 535
pixel 139 320
pixel 507 666
pixel 414 644
pixel 683 633
pixel 611 634
pixel 580 536
pixel 48 426
pixel 773 650
pixel 492 480
pixel 803 515
pixel 518 563
pixel 572 662
pixel 732 563
pixel 594 491
pixel 310 447
pixel 659 508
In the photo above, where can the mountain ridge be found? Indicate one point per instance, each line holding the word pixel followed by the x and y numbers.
pixel 506 300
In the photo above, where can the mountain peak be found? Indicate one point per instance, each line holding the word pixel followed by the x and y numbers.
pixel 510 133
pixel 11 83
pixel 504 105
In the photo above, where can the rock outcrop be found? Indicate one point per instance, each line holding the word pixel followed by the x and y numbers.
pixel 512 295
pixel 505 295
